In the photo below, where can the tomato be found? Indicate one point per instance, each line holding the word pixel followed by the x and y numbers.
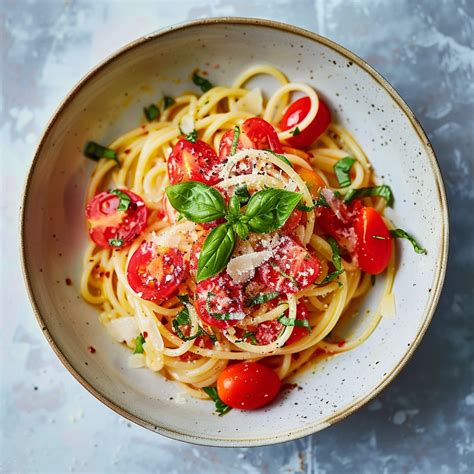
pixel 195 252
pixel 255 133
pixel 193 162
pixel 295 114
pixel 292 222
pixel 155 272
pixel 291 269
pixel 374 242
pixel 106 223
pixel 247 385
pixel 219 297
pixel 313 181
pixel 204 342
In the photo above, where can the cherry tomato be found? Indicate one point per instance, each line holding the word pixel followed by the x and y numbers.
pixel 227 140
pixel 107 224
pixel 193 162
pixel 374 242
pixel 195 251
pixel 291 269
pixel 247 385
pixel 295 114
pixel 201 341
pixel 155 272
pixel 313 181
pixel 292 222
pixel 219 301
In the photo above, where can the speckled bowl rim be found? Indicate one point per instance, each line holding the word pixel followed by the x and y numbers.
pixel 441 263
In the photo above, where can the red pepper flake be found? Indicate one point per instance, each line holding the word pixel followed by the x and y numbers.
pixel 97 266
pixel 289 386
pixel 68 282
pixel 341 343
pixel 164 321
pixel 91 349
pixel 144 126
pixel 145 334
pixel 107 274
pixel 101 274
pixel 127 151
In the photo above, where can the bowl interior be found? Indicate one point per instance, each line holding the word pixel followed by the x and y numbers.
pixel 109 103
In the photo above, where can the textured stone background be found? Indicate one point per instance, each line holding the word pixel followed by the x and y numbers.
pixel 422 423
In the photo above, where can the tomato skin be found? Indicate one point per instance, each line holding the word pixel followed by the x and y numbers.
pixel 193 162
pixel 338 227
pixel 201 341
pixel 292 222
pixel 221 295
pixel 295 114
pixel 247 385
pixel 106 223
pixel 149 269
pixel 313 181
pixel 373 254
pixel 298 331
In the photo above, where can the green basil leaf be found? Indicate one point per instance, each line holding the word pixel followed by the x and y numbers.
pixel 192 136
pixel 124 199
pixel 321 201
pixel 401 234
pixel 269 209
pixel 152 112
pixel 286 321
pixel 248 335
pixel 343 171
pixel 330 277
pixel 241 230
pixel 139 341
pixel 262 298
pixel 242 194
pixel 183 298
pixel 234 207
pixel 282 157
pixel 201 82
pixel 235 141
pixel 296 131
pixel 221 407
pixel 336 256
pixel 383 191
pixel 94 151
pixel 196 201
pixel 167 101
pixel 116 242
pixel 216 251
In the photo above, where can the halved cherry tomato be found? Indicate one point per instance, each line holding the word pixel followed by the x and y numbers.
pixel 313 181
pixel 291 269
pixel 201 341
pixel 292 222
pixel 295 114
pixel 195 252
pixel 247 385
pixel 107 224
pixel 219 301
pixel 193 162
pixel 155 272
pixel 374 242
pixel 255 133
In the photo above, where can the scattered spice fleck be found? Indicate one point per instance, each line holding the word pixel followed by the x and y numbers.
pixel 91 349
pixel 68 282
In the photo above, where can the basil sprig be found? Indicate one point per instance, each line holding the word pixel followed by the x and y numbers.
pixel 265 212
pixel 383 191
pixel 124 199
pixel 221 407
pixel 401 234
pixel 342 169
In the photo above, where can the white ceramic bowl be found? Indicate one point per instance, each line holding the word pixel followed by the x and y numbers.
pixel 109 101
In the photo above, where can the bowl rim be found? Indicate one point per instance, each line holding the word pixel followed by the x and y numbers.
pixel 227 441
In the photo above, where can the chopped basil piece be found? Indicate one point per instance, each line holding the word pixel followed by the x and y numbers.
pixel 336 256
pixel 296 131
pixel 248 335
pixel 191 136
pixel 221 407
pixel 139 341
pixel 94 151
pixel 152 112
pixel 262 298
pixel 116 242
pixel 242 194
pixel 383 191
pixel 401 234
pixel 201 82
pixel 124 199
pixel 218 316
pixel 286 321
pixel 235 140
pixel 321 201
pixel 282 157
pixel 183 298
pixel 182 318
pixel 167 101
pixel 330 277
pixel 343 169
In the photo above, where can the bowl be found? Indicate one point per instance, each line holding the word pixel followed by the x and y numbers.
pixel 109 101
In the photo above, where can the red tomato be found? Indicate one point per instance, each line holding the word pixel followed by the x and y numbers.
pixel 291 269
pixel 106 223
pixel 201 341
pixel 295 114
pixel 193 162
pixel 219 295
pixel 374 242
pixel 195 251
pixel 255 133
pixel 292 222
pixel 155 272
pixel 247 385
pixel 313 181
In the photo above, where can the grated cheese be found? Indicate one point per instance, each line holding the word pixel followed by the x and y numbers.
pixel 242 268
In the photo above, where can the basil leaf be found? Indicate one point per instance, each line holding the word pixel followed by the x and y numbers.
pixel 221 407
pixel 248 335
pixel 216 251
pixel 336 256
pixel 296 131
pixel 167 101
pixel 196 201
pixel 330 277
pixel 241 230
pixel 139 341
pixel 401 234
pixel 321 201
pixel 269 209
pixel 94 151
pixel 262 298
pixel 201 82
pixel 282 157
pixel 191 136
pixel 152 112
pixel 116 242
pixel 242 193
pixel 235 141
pixel 124 199
pixel 183 298
pixel 342 169
pixel 286 321
pixel 383 191
pixel 234 207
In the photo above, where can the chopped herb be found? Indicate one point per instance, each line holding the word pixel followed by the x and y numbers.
pixel 221 407
pixel 242 193
pixel 183 298
pixel 191 136
pixel 336 256
pixel 116 242
pixel 248 335
pixel 235 140
pixel 167 101
pixel 401 234
pixel 182 318
pixel 262 298
pixel 321 201
pixel 152 112
pixel 379 237
pixel 343 169
pixel 383 191
pixel 330 277
pixel 296 131
pixel 201 82
pixel 282 157
pixel 139 341
pixel 304 323
pixel 94 151
pixel 283 274
pixel 124 199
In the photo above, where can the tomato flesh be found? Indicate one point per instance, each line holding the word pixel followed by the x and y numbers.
pixel 313 181
pixel 193 162
pixel 374 242
pixel 219 301
pixel 155 272
pixel 296 113
pixel 247 385
pixel 107 224
pixel 292 222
